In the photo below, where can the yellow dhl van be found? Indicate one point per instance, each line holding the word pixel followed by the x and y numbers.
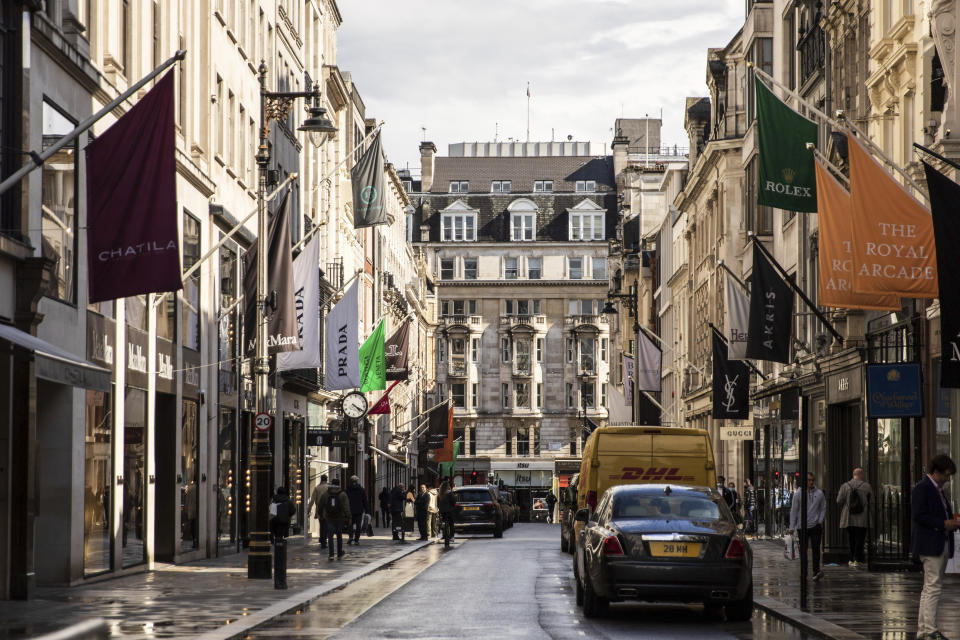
pixel 643 455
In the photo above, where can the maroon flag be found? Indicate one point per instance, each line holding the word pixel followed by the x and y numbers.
pixel 132 240
pixel 396 351
pixel 382 406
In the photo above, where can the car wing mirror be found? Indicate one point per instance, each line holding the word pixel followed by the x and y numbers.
pixel 583 515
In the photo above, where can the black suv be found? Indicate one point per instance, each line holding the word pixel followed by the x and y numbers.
pixel 478 510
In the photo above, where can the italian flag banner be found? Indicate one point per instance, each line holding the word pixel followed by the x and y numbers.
pixel 373 362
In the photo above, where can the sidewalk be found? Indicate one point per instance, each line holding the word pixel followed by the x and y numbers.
pixel 871 604
pixel 180 601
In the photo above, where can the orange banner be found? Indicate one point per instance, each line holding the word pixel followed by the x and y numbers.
pixel 446 453
pixel 893 248
pixel 836 249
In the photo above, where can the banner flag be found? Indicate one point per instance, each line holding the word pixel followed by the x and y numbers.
pixel 368 187
pixel 282 333
pixel 306 296
pixel 731 384
pixel 893 248
pixel 945 205
pixel 133 245
pixel 437 420
pixel 649 359
pixel 342 335
pixel 397 348
pixel 373 363
pixel 382 406
pixel 836 250
pixel 591 426
pixel 737 324
pixel 628 380
pixel 445 453
pixel 785 165
pixel 447 469
pixel 771 312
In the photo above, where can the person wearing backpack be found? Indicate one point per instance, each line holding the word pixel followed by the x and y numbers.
pixel 281 512
pixel 854 500
pixel 336 511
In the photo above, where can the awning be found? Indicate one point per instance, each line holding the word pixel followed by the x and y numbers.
pixel 58 365
pixel 388 456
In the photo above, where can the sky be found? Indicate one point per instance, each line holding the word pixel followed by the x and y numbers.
pixel 460 68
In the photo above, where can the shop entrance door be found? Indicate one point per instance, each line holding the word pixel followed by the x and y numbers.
pixel 844 447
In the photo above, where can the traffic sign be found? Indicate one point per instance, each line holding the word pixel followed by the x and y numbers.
pixel 263 421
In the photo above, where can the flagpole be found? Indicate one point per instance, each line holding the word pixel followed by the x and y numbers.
pixel 37 160
pixel 745 361
pixel 722 265
pixel 794 286
pixel 936 155
pixel 837 173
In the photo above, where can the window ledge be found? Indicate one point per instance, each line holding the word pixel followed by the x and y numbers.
pixel 219 159
pixel 231 35
pixel 219 17
pixel 231 172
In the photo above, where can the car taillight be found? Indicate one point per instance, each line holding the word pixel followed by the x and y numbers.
pixel 735 550
pixel 488 504
pixel 611 546
pixel 592 499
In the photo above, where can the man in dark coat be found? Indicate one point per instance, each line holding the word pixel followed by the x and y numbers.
pixel 358 507
pixel 385 507
pixel 551 503
pixel 281 511
pixel 336 511
pixel 396 511
pixel 932 540
pixel 421 505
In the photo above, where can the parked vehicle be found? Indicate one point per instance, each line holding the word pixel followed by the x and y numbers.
pixel 568 509
pixel 509 507
pixel 643 455
pixel 478 509
pixel 660 542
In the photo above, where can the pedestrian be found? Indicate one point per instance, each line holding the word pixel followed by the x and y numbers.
pixel 932 540
pixel 421 508
pixel 816 510
pixel 281 511
pixel 358 507
pixel 396 511
pixel 336 511
pixel 409 511
pixel 433 513
pixel 732 486
pixel 447 505
pixel 749 506
pixel 384 498
pixel 314 502
pixel 551 503
pixel 854 500
pixel 725 491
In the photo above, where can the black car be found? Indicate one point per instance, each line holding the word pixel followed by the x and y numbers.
pixel 509 508
pixel 478 510
pixel 568 509
pixel 660 542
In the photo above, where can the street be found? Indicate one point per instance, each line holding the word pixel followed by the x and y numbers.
pixel 520 586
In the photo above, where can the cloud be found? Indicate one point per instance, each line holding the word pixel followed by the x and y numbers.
pixel 460 68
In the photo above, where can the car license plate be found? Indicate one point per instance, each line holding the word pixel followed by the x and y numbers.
pixel 471 508
pixel 675 549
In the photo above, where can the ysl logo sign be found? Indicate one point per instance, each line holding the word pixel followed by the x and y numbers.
pixel 730 387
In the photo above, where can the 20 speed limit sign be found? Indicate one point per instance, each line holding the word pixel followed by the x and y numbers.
pixel 263 421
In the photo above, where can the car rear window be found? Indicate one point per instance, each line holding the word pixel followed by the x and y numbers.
pixel 660 507
pixel 473 495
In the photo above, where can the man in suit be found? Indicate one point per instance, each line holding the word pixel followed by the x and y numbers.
pixel 933 527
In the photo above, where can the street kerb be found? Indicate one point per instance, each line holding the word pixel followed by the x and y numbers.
pixel 241 626
pixel 805 621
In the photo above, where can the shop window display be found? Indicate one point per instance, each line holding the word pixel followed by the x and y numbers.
pixel 97 548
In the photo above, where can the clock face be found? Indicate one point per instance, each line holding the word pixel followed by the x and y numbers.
pixel 354 405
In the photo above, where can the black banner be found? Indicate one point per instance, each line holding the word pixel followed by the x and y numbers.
pixel 790 404
pixel 369 191
pixel 397 349
pixel 731 384
pixel 771 312
pixel 945 207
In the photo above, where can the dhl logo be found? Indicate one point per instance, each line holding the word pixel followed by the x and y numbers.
pixel 653 474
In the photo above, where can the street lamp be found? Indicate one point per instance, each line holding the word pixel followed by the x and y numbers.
pixel 274 105
pixel 632 299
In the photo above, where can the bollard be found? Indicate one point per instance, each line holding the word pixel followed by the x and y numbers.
pixel 279 563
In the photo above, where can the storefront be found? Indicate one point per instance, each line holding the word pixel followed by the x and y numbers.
pixel 530 481
pixel 132 485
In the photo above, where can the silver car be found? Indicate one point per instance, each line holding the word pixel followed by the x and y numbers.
pixel 660 542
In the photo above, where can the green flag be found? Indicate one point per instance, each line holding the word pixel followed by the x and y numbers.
pixel 447 468
pixel 373 362
pixel 786 175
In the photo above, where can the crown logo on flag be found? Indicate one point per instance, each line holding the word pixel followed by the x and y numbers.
pixel 789 174
pixel 893 375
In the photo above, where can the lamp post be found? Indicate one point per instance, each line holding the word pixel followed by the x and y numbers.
pixel 274 105
pixel 632 300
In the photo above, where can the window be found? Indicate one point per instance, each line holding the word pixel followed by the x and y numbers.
pixel 573 308
pixel 457 346
pixel 447 268
pixel 588 363
pixel 523 307
pixel 510 268
pixel 459 227
pixel 58 206
pixel 231 105
pixel 539 395
pixel 523 441
pixel 509 442
pixel 603 394
pixel 536 307
pixel 523 227
pixel 441 395
pixel 523 394
pixel 156 35
pixel 586 186
pixel 573 447
pixel 505 394
pixel 459 186
pixel 441 349
pixel 570 400
pixel 191 288
pixel 500 186
pixel 459 394
pixel 125 47
pixel 540 344
pixel 599 268
pixel 470 268
pixel 473 434
pixel 570 347
pixel 508 307
pixel 586 226
pixel 218 126
pixel 576 268
pixel 504 349
pixel 542 186
pixel 474 394
pixel 586 307
pixel 603 349
pixel 522 361
pixel 98 463
pixel 474 349
pixel 587 398
pixel 534 268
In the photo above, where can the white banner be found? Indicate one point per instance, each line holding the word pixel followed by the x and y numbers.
pixel 648 364
pixel 343 342
pixel 306 297
pixel 736 433
pixel 737 302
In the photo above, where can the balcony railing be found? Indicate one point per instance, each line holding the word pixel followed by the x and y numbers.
pixel 460 320
pixel 528 320
pixel 811 49
pixel 577 320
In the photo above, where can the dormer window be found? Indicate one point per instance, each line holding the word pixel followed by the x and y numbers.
pixel 586 186
pixel 543 186
pixel 523 220
pixel 500 186
pixel 587 221
pixel 459 186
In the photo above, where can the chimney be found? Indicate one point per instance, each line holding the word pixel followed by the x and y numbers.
pixel 427 152
pixel 620 157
